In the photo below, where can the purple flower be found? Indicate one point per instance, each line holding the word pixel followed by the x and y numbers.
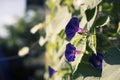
pixel 70 52
pixel 96 60
pixel 51 71
pixel 73 27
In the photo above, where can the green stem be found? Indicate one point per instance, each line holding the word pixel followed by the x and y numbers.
pixel 95 43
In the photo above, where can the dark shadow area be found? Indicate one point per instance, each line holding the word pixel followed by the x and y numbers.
pixel 112 56
pixel 85 69
pixel 4 68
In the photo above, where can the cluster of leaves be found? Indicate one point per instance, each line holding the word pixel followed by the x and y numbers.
pixel 92 19
pixel 111 32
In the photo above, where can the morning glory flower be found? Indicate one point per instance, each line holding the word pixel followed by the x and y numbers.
pixel 96 60
pixel 73 27
pixel 51 71
pixel 71 52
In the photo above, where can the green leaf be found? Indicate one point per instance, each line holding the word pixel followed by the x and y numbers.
pixel 51 5
pixel 85 23
pixel 90 13
pixel 81 45
pixel 66 2
pixel 111 67
pixel 86 70
pixel 92 42
pixel 62 34
pixel 112 56
pixel 53 27
pixel 102 21
pixel 118 30
pixel 106 7
pixel 76 39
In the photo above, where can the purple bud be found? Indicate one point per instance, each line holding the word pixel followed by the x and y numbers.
pixel 81 31
pixel 96 60
pixel 51 71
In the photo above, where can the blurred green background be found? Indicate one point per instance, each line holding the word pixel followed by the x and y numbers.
pixel 29 67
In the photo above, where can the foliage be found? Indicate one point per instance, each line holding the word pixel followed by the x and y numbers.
pixel 101 24
pixel 92 18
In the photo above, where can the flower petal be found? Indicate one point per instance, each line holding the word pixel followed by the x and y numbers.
pixel 70 52
pixel 72 27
